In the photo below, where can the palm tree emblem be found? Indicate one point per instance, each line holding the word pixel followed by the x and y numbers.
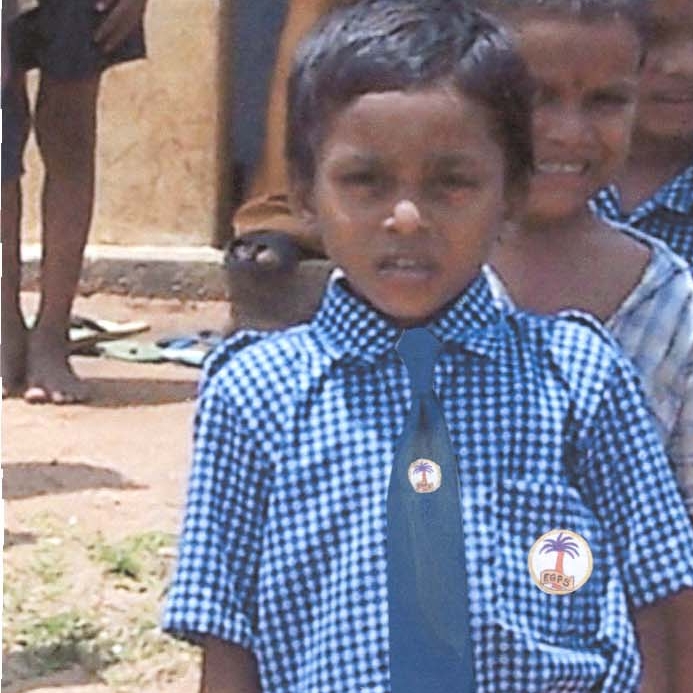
pixel 424 476
pixel 549 575
pixel 561 545
pixel 423 468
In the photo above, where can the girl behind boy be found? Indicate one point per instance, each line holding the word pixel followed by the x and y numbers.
pixel 561 256
pixel 585 58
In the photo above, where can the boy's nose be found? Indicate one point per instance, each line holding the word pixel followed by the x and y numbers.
pixel 405 218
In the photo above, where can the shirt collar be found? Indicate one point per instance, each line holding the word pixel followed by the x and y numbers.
pixel 675 195
pixel 349 327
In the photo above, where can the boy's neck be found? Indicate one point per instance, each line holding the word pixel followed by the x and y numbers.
pixel 410 324
pixel 651 164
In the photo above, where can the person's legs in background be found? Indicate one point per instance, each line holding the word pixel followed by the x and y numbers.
pixel 15 126
pixel 65 125
pixel 71 43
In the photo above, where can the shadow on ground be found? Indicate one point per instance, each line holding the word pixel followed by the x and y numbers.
pixel 133 392
pixel 17 679
pixel 27 479
pixel 18 538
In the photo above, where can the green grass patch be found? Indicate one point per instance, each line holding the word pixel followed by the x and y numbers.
pixel 79 599
pixel 139 557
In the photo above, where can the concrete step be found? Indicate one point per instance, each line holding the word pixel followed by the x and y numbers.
pixel 189 273
pixel 267 300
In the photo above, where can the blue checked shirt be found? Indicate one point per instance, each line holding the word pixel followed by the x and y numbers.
pixel 283 546
pixel 654 328
pixel 667 215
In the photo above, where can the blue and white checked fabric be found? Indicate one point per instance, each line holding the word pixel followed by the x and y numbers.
pixel 667 215
pixel 283 546
pixel 654 328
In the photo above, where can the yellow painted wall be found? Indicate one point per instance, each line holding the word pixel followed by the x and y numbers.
pixel 158 174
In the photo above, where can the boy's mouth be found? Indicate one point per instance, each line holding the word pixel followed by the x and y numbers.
pixel 405 266
pixel 561 167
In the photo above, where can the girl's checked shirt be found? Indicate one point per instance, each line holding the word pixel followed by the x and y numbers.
pixel 667 215
pixel 654 327
pixel 283 546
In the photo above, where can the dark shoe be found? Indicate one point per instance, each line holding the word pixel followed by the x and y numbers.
pixel 273 283
pixel 262 250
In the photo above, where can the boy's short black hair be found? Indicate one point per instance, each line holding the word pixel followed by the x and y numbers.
pixel 637 12
pixel 399 45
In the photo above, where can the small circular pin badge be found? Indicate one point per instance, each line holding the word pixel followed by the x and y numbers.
pixel 424 475
pixel 560 562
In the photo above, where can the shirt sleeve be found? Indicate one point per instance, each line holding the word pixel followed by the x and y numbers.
pixel 637 500
pixel 213 591
pixel 681 442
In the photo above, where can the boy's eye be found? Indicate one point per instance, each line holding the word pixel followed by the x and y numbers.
pixel 360 179
pixel 455 181
pixel 610 100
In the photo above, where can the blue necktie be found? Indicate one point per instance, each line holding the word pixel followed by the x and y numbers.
pixel 430 645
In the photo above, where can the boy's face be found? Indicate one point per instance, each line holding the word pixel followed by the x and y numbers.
pixel 666 87
pixel 409 193
pixel 586 76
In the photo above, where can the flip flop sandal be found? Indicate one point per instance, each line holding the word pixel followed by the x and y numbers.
pixel 131 350
pixel 203 338
pixel 190 350
pixel 185 356
pixel 85 332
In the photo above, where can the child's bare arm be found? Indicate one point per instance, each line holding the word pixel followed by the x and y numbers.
pixel 120 18
pixel 651 628
pixel 665 631
pixel 228 668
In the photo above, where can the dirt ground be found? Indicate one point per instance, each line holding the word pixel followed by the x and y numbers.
pixel 93 498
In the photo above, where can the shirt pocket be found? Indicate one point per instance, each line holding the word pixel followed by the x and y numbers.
pixel 526 510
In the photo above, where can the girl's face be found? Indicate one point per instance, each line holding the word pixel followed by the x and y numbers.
pixel 586 76
pixel 666 88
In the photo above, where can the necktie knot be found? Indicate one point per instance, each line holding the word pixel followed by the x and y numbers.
pixel 419 350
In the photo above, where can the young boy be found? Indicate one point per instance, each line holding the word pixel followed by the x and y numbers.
pixel 409 148
pixel 71 42
pixel 654 192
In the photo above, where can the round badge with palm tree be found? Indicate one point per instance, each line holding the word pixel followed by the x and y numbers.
pixel 424 475
pixel 560 562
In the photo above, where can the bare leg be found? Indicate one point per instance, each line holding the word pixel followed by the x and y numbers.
pixel 13 331
pixel 13 339
pixel 65 126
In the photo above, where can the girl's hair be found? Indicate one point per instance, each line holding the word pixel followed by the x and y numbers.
pixel 403 45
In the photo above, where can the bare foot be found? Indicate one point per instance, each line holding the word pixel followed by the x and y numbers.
pixel 49 376
pixel 14 344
